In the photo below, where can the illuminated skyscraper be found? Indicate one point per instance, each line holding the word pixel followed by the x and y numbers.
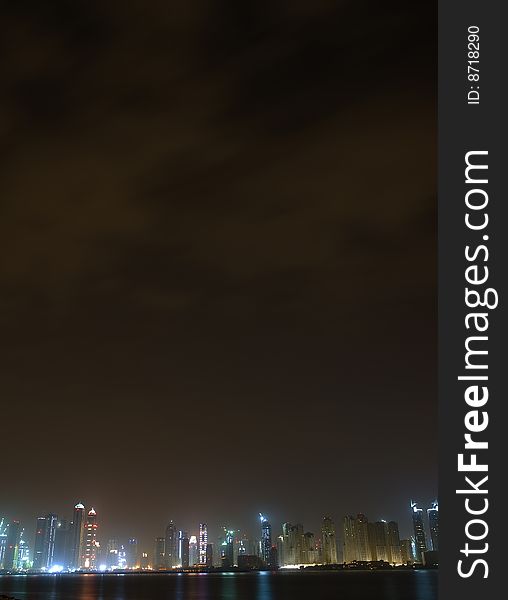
pixel 90 541
pixel 122 557
pixel 350 550
pixel 62 541
pixel 209 555
pixel 112 552
pixel 158 555
pixel 433 515
pixel 226 548
pixel 292 544
pixel 203 542
pixel 309 549
pixel 184 548
pixel 393 544
pixel 132 553
pixel 328 541
pixel 193 551
pixel 378 540
pixel 266 540
pixel 171 546
pixel 12 545
pixel 44 546
pixel 23 556
pixel 406 551
pixel 357 541
pixel 3 540
pixel 40 544
pixel 77 532
pixel 419 529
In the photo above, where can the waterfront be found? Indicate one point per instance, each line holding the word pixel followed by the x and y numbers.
pixel 344 585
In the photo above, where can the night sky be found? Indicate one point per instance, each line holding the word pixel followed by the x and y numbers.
pixel 218 261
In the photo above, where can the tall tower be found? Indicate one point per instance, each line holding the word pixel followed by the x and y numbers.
pixel 3 540
pixel 193 550
pixel 329 541
pixel 185 550
pixel 227 548
pixel 77 536
pixel 51 525
pixel 350 547
pixel 12 545
pixel 203 542
pixel 266 540
pixel 394 549
pixel 44 547
pixel 90 541
pixel 433 515
pixel 171 543
pixel 40 543
pixel 158 558
pixel 132 553
pixel 23 557
pixel 362 537
pixel 419 529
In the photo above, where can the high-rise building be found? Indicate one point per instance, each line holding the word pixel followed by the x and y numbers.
pixel 76 534
pixel 185 549
pixel 378 540
pixel 357 541
pixel 44 546
pixel 61 551
pixel 209 555
pixel 310 554
pixel 90 544
pixel 171 546
pixel 362 538
pixel 40 544
pixel 419 529
pixel 433 516
pixel 52 521
pixel 158 555
pixel 292 544
pixel 393 544
pixel 112 550
pixel 227 548
pixel 266 540
pixel 12 545
pixel 122 557
pixel 328 542
pixel 23 557
pixel 193 551
pixel 132 553
pixel 3 540
pixel 350 550
pixel 406 551
pixel 203 543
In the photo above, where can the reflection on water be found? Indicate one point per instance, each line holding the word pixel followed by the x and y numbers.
pixel 360 585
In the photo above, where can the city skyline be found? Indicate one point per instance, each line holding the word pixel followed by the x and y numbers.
pixel 112 528
pixel 58 542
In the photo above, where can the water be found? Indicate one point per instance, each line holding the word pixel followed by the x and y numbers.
pixel 348 585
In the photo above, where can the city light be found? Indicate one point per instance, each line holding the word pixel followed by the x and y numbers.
pixel 60 546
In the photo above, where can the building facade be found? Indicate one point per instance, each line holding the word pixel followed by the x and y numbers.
pixel 419 532
pixel 433 516
pixel 90 544
pixel 203 543
pixel 171 546
pixel 328 542
pixel 77 534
